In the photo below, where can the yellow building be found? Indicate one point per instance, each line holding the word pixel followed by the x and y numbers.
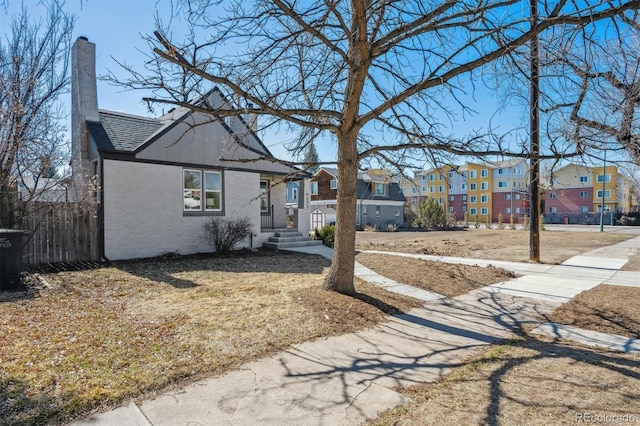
pixel 479 192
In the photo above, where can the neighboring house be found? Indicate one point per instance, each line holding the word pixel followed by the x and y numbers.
pixel 160 178
pixel 578 189
pixel 380 200
pixel 49 190
pixel 293 195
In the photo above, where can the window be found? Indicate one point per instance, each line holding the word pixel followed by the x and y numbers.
pixel 473 187
pixel 516 210
pixel 451 197
pixel 441 188
pixel 397 213
pixel 432 177
pixel 414 190
pixel 423 178
pixel 464 209
pixel 450 209
pixel 503 184
pixel 553 209
pixel 584 209
pixel 450 175
pixel 507 209
pixel 484 210
pixel 516 171
pixel 517 196
pixel 432 189
pixel 473 199
pixel 404 191
pixel 502 171
pixel 192 190
pixel 333 184
pixel 465 174
pixel 463 186
pixel 441 177
pixel 414 201
pixel 484 186
pixel 364 209
pixel 553 195
pixel 264 196
pixel 377 210
pixel 441 200
pixel 380 188
pixel 607 194
pixel 194 187
pixel 484 199
pixel 473 211
pixel 507 196
pixel 314 188
pixel 584 178
pixel 584 194
pixel 606 208
pixel 484 172
pixel 464 198
pixel 472 174
pixel 450 187
pixel 607 178
pixel 294 194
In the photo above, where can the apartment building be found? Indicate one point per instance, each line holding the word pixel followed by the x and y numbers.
pixel 577 188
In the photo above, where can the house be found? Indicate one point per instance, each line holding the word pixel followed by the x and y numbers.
pixel 380 199
pixel 159 179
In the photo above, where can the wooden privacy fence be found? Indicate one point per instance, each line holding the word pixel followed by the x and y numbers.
pixel 61 232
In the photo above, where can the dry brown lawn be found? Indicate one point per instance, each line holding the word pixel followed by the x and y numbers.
pixel 530 381
pixel 605 308
pixel 103 335
pixel 633 264
pixel 507 245
pixel 444 278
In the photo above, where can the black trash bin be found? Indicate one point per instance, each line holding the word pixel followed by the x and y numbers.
pixel 10 258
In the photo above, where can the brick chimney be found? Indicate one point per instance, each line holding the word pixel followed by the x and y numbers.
pixel 84 107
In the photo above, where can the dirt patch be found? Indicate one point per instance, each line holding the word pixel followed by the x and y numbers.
pixel 444 278
pixel 633 264
pixel 533 382
pixel 508 245
pixel 605 308
pixel 103 335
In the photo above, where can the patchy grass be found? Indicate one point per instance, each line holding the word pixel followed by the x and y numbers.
pixel 508 245
pixel 605 308
pixel 528 381
pixel 444 278
pixel 107 334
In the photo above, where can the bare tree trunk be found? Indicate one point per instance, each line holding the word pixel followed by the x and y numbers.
pixel 340 277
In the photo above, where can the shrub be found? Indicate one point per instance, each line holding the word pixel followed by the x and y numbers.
pixel 466 219
pixel 431 215
pixel 512 222
pixel 222 234
pixel 500 221
pixel 326 234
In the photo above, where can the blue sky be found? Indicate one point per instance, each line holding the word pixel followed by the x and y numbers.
pixel 117 26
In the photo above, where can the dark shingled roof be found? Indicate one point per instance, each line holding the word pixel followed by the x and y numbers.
pixel 122 132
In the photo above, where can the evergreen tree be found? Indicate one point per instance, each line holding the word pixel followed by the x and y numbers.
pixel 311 158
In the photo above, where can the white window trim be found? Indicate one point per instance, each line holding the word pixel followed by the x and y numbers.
pixel 333 184
pixel 314 185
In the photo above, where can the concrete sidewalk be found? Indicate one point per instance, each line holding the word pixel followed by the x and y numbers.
pixel 347 379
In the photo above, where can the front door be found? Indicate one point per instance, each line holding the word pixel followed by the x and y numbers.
pixel 265 209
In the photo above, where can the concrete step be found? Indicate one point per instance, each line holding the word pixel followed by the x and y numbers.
pixel 285 233
pixel 288 239
pixel 278 246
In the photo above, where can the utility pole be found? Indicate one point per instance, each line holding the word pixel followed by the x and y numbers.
pixel 604 179
pixel 534 123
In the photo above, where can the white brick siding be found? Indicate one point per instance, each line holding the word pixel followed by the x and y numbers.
pixel 143 210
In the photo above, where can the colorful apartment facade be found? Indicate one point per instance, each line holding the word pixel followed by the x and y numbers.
pixel 474 191
pixel 581 189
